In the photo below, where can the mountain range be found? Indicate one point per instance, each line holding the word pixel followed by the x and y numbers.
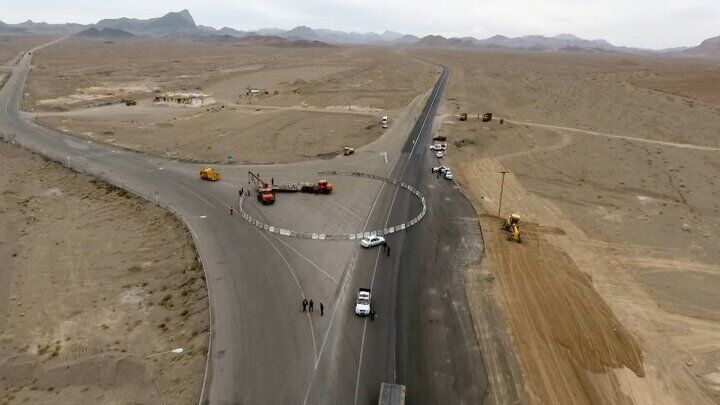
pixel 182 24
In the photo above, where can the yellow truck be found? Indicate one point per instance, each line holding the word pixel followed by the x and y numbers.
pixel 209 174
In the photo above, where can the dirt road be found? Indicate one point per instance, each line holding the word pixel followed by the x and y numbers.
pixel 613 295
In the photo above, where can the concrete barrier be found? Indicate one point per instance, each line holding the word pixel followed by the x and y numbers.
pixel 342 236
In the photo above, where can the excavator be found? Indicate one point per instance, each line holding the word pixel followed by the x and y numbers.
pixel 512 226
pixel 265 193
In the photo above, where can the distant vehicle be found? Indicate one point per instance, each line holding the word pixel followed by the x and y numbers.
pixel 362 305
pixel 441 169
pixel 463 117
pixel 486 117
pixel 439 154
pixel 385 125
pixel 210 174
pixel 391 394
pixel 385 119
pixel 448 175
pixel 440 138
pixel 371 241
pixel 348 150
pixel 439 146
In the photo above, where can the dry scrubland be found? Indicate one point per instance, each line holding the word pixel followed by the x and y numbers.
pixel 92 280
pixel 11 46
pixel 327 97
pixel 614 294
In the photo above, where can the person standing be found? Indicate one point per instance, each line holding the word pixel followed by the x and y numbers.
pixel 322 309
pixel 304 304
pixel 231 210
pixel 311 305
pixel 388 250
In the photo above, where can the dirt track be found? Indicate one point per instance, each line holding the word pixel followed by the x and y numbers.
pixel 319 99
pixel 92 281
pixel 613 295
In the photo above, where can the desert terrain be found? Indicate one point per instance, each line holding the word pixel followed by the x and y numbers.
pixel 92 281
pixel 11 45
pixel 614 293
pixel 319 98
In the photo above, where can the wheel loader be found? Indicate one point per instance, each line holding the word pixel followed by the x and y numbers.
pixel 512 226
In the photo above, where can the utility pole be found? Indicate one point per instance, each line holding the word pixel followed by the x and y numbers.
pixel 502 185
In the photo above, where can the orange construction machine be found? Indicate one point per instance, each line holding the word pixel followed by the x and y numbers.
pixel 265 193
pixel 322 187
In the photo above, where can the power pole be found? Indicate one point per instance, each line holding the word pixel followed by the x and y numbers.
pixel 502 185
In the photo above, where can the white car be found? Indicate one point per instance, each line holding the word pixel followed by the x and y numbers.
pixel 439 154
pixel 362 305
pixel 448 175
pixel 384 125
pixel 371 241
pixel 439 146
pixel 441 169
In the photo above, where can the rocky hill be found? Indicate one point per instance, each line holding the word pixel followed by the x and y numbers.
pixel 709 48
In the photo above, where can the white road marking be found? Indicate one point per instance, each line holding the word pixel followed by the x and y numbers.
pixel 308 260
pixel 387 219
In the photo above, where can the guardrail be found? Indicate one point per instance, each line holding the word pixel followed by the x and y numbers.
pixel 342 236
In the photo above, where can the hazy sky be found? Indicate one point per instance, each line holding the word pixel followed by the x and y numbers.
pixel 641 23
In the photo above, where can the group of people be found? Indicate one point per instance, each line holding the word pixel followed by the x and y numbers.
pixel 308 306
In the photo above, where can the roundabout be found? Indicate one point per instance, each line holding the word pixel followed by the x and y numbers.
pixel 341 236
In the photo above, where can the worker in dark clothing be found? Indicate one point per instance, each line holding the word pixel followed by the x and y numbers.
pixel 304 304
pixel 322 309
pixel 231 210
pixel 373 314
pixel 311 306
pixel 388 250
pixel 272 181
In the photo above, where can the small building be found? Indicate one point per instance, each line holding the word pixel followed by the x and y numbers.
pixel 256 92
pixel 185 99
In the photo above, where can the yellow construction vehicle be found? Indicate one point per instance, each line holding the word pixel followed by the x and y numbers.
pixel 512 226
pixel 210 174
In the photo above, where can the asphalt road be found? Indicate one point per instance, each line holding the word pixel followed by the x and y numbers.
pixel 264 350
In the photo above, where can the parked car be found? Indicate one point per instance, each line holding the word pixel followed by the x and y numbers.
pixel 440 138
pixel 439 146
pixel 448 175
pixel 439 154
pixel 441 169
pixel 371 241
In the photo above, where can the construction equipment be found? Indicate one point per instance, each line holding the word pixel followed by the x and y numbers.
pixel 463 117
pixel 512 226
pixel 265 193
pixel 321 187
pixel 209 174
pixel 487 117
pixel 347 151
pixel 128 102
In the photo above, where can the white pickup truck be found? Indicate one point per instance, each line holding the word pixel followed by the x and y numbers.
pixel 362 306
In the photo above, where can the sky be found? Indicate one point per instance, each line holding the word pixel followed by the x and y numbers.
pixel 639 23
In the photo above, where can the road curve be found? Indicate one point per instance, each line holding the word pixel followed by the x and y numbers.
pixel 263 349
